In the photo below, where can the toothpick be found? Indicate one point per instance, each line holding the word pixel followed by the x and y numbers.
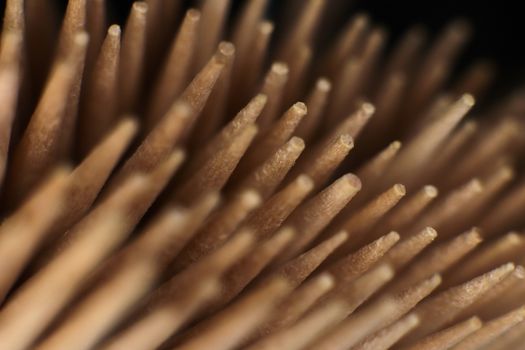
pixel 448 337
pixel 444 307
pixel 219 228
pixel 24 231
pixel 316 102
pixel 354 328
pixel 491 330
pixel 101 90
pixel 439 259
pixel 391 334
pixel 313 216
pixel 176 70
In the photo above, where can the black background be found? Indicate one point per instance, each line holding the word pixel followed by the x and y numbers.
pixel 499 30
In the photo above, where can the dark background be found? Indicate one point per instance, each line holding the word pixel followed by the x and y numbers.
pixel 499 31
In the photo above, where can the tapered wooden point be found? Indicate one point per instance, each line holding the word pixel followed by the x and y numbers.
pixel 429 232
pixel 299 268
pixel 303 331
pixel 355 264
pixel 468 100
pixel 430 191
pixel 340 237
pixel 407 299
pixel 440 258
pixel 140 6
pixel 368 109
pixel 491 330
pixel 448 337
pixel 298 303
pixel 388 336
pixel 352 181
pixel 250 199
pixel 81 39
pixel 193 14
pixel 324 84
pixel 355 328
pixel 371 213
pixel 114 30
pixel 326 281
pixel 266 27
pixel 225 51
pixel 408 248
pixel 399 190
pixel 445 306
pixel 279 69
pixel 396 145
pixel 30 223
pixel 305 182
pixel 356 292
pixel 230 326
